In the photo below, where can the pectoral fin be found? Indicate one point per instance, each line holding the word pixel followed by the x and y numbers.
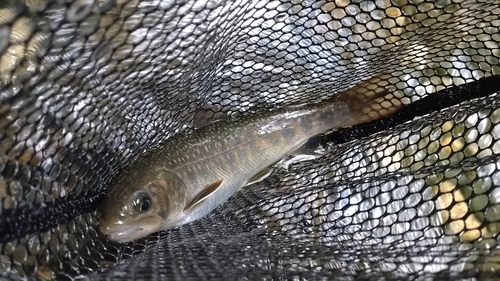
pixel 204 194
pixel 260 176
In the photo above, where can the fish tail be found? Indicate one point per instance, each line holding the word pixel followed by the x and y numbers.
pixel 370 100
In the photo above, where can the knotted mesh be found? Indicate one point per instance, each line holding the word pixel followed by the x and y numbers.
pixel 87 86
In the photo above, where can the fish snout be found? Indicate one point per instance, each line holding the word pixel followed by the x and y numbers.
pixel 113 229
pixel 122 231
pixel 118 232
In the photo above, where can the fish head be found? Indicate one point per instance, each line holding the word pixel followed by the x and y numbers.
pixel 141 203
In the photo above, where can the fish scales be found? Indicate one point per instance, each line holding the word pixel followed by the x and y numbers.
pixel 193 174
pixel 241 149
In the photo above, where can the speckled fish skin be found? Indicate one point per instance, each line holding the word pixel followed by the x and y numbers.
pixel 223 154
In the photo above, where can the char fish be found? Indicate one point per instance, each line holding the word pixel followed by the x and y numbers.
pixel 191 175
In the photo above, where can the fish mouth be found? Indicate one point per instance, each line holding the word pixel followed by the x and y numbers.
pixel 123 235
pixel 127 232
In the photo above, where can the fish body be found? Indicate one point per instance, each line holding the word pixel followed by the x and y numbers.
pixel 191 175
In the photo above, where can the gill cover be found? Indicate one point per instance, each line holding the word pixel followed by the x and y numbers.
pixel 140 204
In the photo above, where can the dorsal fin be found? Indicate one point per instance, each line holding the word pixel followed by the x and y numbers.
pixel 204 194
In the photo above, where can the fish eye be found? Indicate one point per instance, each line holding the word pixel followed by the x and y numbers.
pixel 142 202
pixel 145 204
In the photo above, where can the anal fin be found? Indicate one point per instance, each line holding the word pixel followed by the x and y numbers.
pixel 310 150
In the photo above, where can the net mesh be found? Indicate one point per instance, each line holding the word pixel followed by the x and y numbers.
pixel 87 86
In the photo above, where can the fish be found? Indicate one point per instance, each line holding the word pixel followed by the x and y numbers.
pixel 190 175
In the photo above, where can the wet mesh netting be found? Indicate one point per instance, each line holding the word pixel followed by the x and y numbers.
pixel 87 86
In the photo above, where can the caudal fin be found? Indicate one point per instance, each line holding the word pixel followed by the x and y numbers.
pixel 370 100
